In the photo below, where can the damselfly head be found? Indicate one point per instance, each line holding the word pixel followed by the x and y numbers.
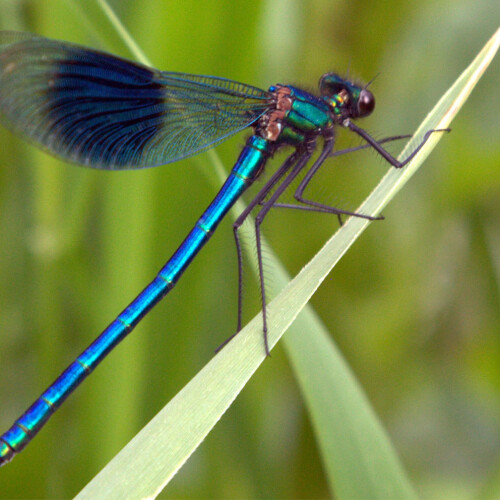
pixel 345 98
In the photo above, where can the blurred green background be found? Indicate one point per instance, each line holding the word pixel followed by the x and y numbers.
pixel 414 305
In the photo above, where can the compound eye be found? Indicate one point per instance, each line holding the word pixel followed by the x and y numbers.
pixel 366 103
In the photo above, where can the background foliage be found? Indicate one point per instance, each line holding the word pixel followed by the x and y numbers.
pixel 414 305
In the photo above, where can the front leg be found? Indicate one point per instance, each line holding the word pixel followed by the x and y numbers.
pixel 384 153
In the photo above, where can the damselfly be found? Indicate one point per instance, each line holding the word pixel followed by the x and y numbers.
pixel 104 112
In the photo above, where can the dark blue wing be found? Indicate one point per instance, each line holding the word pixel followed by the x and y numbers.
pixel 106 112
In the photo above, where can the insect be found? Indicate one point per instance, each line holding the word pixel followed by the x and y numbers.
pixel 104 112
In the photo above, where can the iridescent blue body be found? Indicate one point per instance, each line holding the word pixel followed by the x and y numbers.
pixel 105 112
pixel 18 436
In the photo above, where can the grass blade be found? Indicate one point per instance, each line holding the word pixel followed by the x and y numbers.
pixel 358 457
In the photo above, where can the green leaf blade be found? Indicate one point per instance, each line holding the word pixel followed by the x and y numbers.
pixel 359 459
